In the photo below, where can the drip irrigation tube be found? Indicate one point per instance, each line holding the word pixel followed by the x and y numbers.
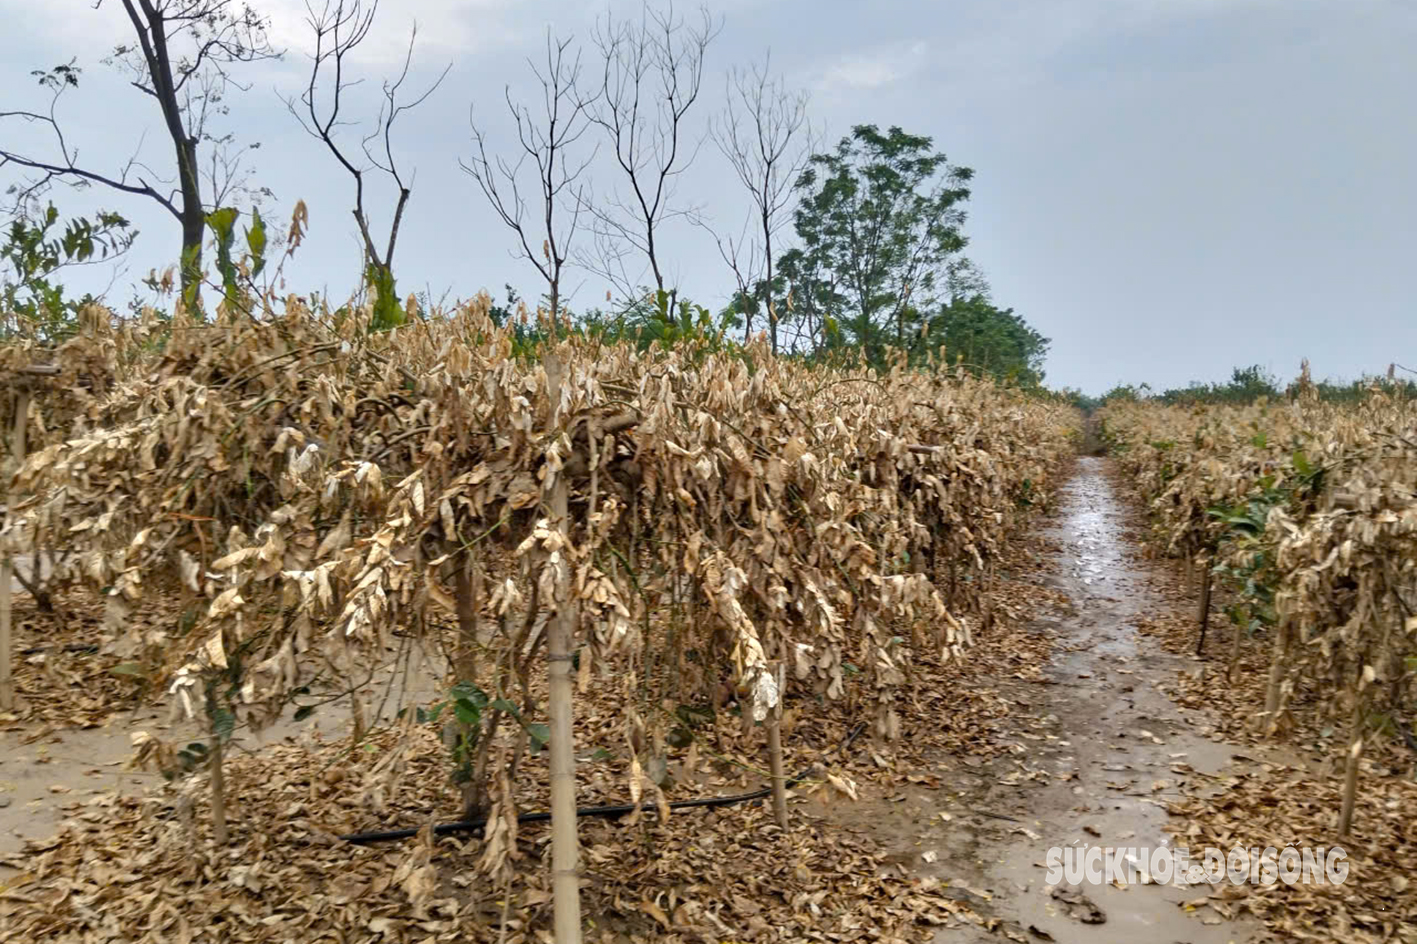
pixel 607 812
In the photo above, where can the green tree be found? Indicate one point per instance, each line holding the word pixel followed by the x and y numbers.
pixel 1246 385
pixel 879 220
pixel 989 340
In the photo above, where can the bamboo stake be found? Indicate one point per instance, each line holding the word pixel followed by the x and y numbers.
pixel 1203 617
pixel 1276 674
pixel 218 792
pixel 7 576
pixel 1235 645
pixel 1350 774
pixel 560 633
pixel 779 778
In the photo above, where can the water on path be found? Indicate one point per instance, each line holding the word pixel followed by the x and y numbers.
pixel 1113 749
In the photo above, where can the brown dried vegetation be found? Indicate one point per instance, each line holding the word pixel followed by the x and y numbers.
pixel 808 544
pixel 1307 513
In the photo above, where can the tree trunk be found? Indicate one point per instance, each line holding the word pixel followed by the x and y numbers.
pixel 193 214
pixel 193 226
pixel 565 882
pixel 467 589
pixel 769 307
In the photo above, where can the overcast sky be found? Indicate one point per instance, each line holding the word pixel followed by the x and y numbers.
pixel 1166 188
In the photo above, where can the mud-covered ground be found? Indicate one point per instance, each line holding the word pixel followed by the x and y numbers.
pixel 1097 751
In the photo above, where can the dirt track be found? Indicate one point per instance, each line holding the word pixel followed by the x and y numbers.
pixel 1098 750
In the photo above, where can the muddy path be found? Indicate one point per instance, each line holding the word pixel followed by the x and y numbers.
pixel 1096 751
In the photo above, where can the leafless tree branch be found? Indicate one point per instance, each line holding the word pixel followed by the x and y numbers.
pixel 546 140
pixel 652 76
pixel 767 139
pixel 339 28
pixel 188 87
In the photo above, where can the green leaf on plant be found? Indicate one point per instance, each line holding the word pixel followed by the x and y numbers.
pixel 223 723
pixel 503 704
pixel 467 712
pixel 470 692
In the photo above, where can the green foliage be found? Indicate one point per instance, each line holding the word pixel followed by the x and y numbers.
pixel 1246 385
pixel 1249 384
pixel 467 703
pixel 1125 393
pixel 988 340
pixel 879 220
pixel 32 301
pixel 660 319
pixel 1357 391
pixel 502 313
pixel 388 313
pixel 1074 397
pixel 237 276
pixel 1253 574
pixel 222 223
pixel 256 243
pixel 192 757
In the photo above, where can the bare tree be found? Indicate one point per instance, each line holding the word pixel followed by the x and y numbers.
pixel 653 73
pixel 765 135
pixel 183 59
pixel 743 255
pixel 339 28
pixel 545 139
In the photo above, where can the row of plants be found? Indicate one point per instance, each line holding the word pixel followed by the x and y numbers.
pixel 660 522
pixel 1304 510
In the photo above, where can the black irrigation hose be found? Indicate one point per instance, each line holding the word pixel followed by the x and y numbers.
pixel 468 826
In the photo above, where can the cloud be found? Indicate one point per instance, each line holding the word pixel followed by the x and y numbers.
pixel 875 69
pixel 445 27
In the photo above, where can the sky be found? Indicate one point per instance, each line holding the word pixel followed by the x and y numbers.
pixel 1165 188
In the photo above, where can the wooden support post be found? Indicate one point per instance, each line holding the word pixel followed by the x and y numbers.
pixel 7 565
pixel 1203 617
pixel 560 636
pixel 775 765
pixel 1350 774
pixel 1235 646
pixel 1277 660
